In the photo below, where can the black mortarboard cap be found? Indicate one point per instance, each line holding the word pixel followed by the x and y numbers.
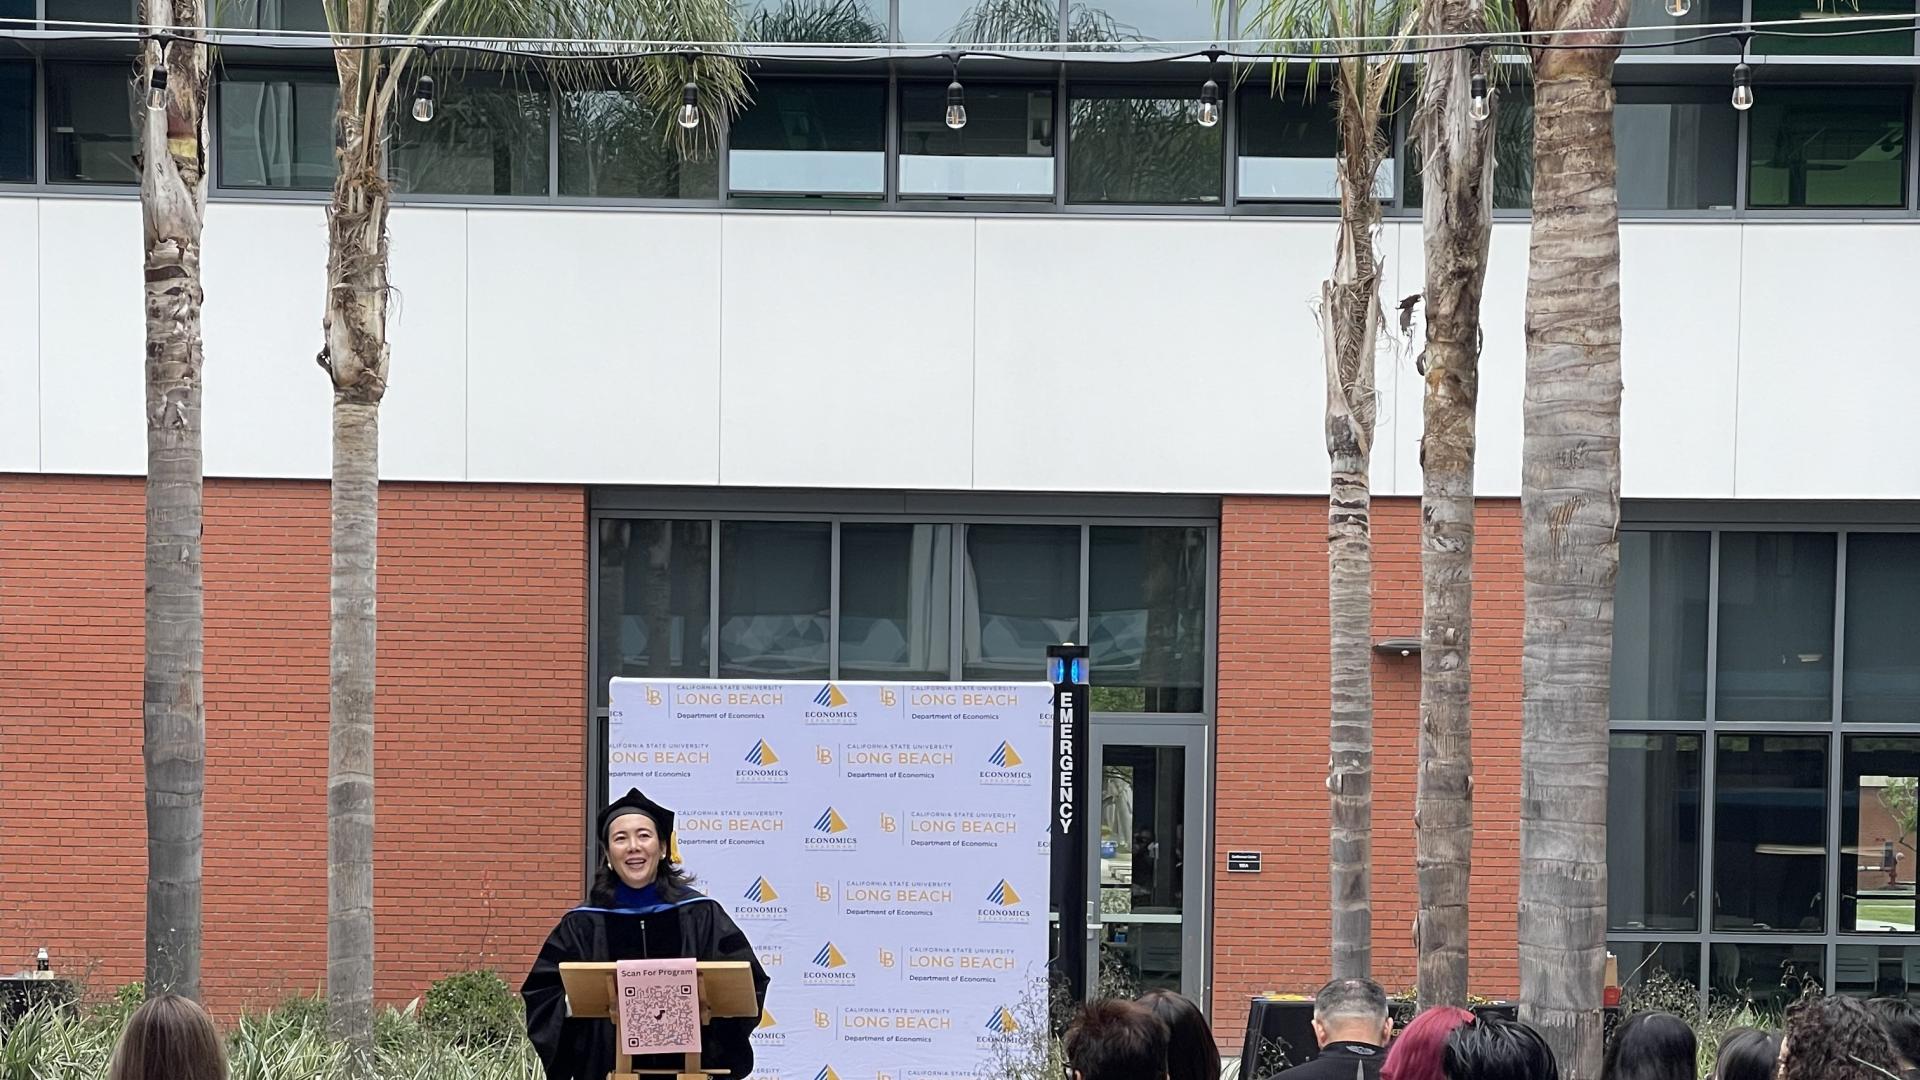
pixel 635 803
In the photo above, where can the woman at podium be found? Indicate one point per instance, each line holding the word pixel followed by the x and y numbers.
pixel 641 906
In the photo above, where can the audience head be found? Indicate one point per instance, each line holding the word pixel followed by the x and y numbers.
pixel 1493 1049
pixel 1901 1021
pixel 1834 1038
pixel 1417 1053
pixel 169 1038
pixel 1116 1040
pixel 1652 1046
pixel 1351 1010
pixel 1747 1054
pixel 1191 1053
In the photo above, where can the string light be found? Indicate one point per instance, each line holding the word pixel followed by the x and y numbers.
pixel 1742 80
pixel 1206 111
pixel 1479 108
pixel 1678 8
pixel 956 97
pixel 423 88
pixel 157 83
pixel 689 115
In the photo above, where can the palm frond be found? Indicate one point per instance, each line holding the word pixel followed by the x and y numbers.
pixel 849 22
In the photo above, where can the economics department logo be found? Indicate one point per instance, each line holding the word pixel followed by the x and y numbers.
pixel 762 903
pixel 1004 757
pixel 768 1032
pixel 830 697
pixel 766 1021
pixel 831 832
pixel 830 822
pixel 1005 766
pixel 830 707
pixel 1002 1022
pixel 761 891
pixel 763 755
pixel 828 968
pixel 1003 895
pixel 829 957
pixel 1004 906
pixel 762 766
pixel 826 1073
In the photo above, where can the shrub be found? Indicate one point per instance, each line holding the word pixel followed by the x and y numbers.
pixel 474 1009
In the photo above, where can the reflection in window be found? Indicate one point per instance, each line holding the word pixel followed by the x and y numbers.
pixel 1765 977
pixel 1879 819
pixel 1125 148
pixel 1006 149
pixel 1103 21
pixel 484 139
pixel 826 22
pixel 1653 831
pixel 16 122
pixel 1770 833
pixel 271 14
pixel 811 136
pixel 1288 147
pixel 613 145
pixel 90 124
pixel 978 21
pixel 1678 148
pixel 276 129
pixel 1142 861
pixel 896 590
pixel 1512 151
pixel 1881 683
pixel 1877 971
pixel 1776 627
pixel 92 11
pixel 1662 27
pixel 654 600
pixel 1660 627
pixel 1828 147
pixel 775 598
pixel 1147 602
pixel 1809 16
pixel 1645 965
pixel 1022 595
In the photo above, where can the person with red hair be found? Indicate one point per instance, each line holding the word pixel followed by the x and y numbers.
pixel 1418 1052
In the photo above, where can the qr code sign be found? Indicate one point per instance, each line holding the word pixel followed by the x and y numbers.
pixel 659 1018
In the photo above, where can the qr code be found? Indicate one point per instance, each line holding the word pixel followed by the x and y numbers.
pixel 659 1016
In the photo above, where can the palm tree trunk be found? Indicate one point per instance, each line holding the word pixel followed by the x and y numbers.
pixel 1570 511
pixel 1457 174
pixel 356 360
pixel 173 200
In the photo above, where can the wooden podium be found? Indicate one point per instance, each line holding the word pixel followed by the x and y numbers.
pixel 726 989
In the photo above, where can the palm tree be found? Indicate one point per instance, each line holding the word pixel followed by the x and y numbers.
pixel 1570 514
pixel 173 203
pixel 355 357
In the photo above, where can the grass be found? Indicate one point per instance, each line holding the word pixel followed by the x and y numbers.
pixel 1894 914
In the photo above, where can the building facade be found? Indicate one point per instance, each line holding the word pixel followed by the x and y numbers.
pixel 865 397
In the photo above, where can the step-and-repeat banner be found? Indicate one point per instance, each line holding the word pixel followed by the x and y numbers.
pixel 884 846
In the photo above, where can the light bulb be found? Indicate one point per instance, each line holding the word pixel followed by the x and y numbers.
pixel 1677 8
pixel 1208 112
pixel 689 115
pixel 423 99
pixel 157 89
pixel 1742 87
pixel 956 106
pixel 1480 107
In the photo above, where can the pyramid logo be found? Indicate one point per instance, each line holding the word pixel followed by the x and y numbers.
pixel 761 892
pixel 829 957
pixel 766 1021
pixel 1005 757
pixel 830 696
pixel 830 822
pixel 1002 1022
pixel 762 754
pixel 826 1073
pixel 1003 895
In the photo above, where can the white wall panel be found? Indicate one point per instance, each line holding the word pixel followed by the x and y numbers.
pixel 593 347
pixel 1827 363
pixel 92 338
pixel 268 406
pixel 1680 359
pixel 423 421
pixel 848 352
pixel 20 343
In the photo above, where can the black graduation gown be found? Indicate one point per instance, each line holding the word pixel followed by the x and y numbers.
pixel 695 927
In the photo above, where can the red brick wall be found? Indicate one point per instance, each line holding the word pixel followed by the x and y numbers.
pixel 1270 929
pixel 479 739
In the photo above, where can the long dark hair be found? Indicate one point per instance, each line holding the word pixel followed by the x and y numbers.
pixel 169 1038
pixel 1652 1046
pixel 1191 1052
pixel 1747 1054
pixel 673 882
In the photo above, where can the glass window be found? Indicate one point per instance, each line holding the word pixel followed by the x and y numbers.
pixel 484 139
pixel 1878 971
pixel 1770 833
pixel 1288 147
pixel 1660 627
pixel 1127 148
pixel 775 596
pixel 1142 866
pixel 896 596
pixel 1653 831
pixel 1881 683
pixel 1147 604
pixel 90 124
pixel 1512 151
pixel 1828 147
pixel 1022 595
pixel 95 11
pixel 1776 627
pixel 271 14
pixel 926 22
pixel 18 9
pixel 1811 13
pixel 16 122
pixel 1765 976
pixel 835 22
pixel 811 136
pixel 1660 26
pixel 1006 148
pixel 1143 20
pixel 276 129
pixel 1678 148
pixel 613 145
pixel 654 600
pixel 1879 817
pixel 1655 971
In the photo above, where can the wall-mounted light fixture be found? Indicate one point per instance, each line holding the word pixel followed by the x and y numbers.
pixel 1397 646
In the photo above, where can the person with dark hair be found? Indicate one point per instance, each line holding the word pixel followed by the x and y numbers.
pixel 1191 1052
pixel 1833 1037
pixel 1417 1053
pixel 1652 1046
pixel 1116 1040
pixel 1901 1021
pixel 1493 1049
pixel 1747 1054
pixel 640 906
pixel 1350 1022
pixel 169 1038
